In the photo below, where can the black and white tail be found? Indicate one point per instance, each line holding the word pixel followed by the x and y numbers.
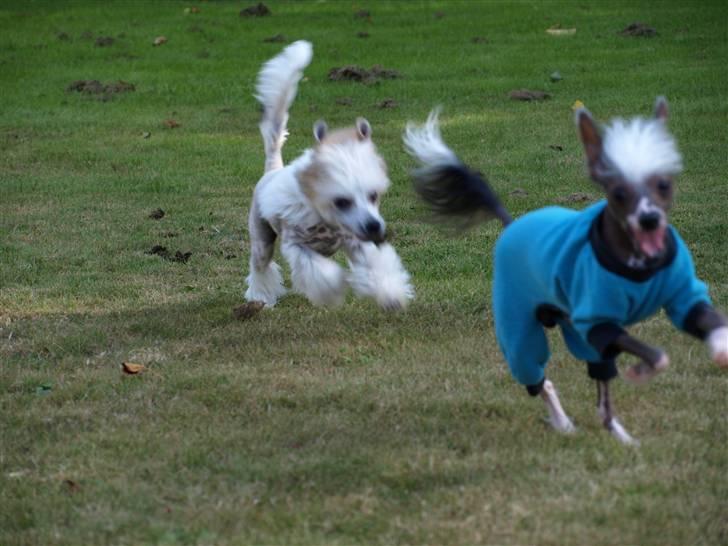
pixel 276 88
pixel 445 183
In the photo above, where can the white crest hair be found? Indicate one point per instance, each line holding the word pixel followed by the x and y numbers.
pixel 641 148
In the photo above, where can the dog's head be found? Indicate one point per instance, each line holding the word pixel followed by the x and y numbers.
pixel 635 162
pixel 346 179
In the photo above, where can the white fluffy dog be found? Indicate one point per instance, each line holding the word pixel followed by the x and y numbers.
pixel 325 200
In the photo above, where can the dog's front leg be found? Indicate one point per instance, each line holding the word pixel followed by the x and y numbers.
pixel 377 272
pixel 652 359
pixel 320 279
pixel 705 323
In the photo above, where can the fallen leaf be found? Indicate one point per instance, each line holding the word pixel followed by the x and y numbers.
pixel 528 95
pixel 556 30
pixel 577 104
pixel 171 123
pixel 131 368
pixel 72 486
pixel 248 310
pixel 159 40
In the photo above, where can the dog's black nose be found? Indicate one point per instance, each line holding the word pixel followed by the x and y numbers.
pixel 374 231
pixel 373 227
pixel 649 221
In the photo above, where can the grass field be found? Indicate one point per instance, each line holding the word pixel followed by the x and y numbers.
pixel 345 426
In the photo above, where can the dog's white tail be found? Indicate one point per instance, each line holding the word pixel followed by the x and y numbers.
pixel 276 89
pixel 445 183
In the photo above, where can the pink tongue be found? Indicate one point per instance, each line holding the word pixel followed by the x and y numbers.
pixel 651 243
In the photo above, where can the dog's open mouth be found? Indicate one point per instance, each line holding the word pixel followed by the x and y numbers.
pixel 651 243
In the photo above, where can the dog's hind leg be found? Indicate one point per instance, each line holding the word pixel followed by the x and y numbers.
pixel 557 416
pixel 265 282
pixel 610 422
pixel 320 279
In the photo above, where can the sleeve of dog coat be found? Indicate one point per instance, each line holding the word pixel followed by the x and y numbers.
pixel 687 293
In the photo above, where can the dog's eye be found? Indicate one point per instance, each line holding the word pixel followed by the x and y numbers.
pixel 373 197
pixel 343 203
pixel 663 186
pixel 619 195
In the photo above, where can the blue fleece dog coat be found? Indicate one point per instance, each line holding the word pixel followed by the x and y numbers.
pixel 553 256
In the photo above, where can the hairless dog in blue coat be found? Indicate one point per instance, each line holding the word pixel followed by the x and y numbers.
pixel 590 272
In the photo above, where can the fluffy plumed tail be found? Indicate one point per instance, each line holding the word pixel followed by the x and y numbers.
pixel 276 88
pixel 445 183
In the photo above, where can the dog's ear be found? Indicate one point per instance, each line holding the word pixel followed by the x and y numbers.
pixel 319 130
pixel 592 140
pixel 661 109
pixel 363 129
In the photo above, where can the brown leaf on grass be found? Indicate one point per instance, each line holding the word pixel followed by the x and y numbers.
pixel 528 95
pixel 639 30
pixel 258 10
pixel 247 310
pixel 171 123
pixel 132 368
pixel 72 486
pixel 159 40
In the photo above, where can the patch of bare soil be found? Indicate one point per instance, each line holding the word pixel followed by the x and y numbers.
pixel 528 95
pixel 258 10
pixel 639 30
pixel 247 310
pixel 277 39
pixel 358 74
pixel 103 91
pixel 156 214
pixel 162 252
pixel 104 41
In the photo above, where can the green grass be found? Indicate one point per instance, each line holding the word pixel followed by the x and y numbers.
pixel 343 426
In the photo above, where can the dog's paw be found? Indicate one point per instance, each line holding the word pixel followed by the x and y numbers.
pixel 642 372
pixel 718 344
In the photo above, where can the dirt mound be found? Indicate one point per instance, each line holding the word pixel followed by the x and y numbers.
pixel 356 73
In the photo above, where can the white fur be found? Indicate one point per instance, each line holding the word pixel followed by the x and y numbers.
pixel 377 271
pixel 557 416
pixel 266 286
pixel 347 166
pixel 425 143
pixel 718 345
pixel 640 148
pixel 276 88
